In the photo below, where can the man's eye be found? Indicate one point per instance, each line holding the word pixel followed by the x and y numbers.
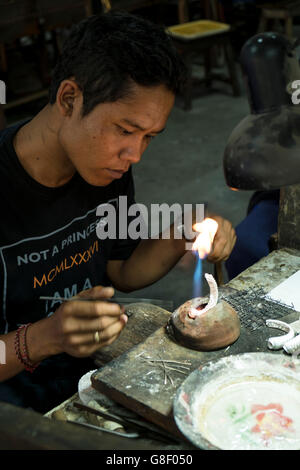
pixel 150 137
pixel 124 131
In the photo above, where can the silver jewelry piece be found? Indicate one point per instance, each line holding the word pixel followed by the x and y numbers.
pixel 97 337
pixel 292 345
pixel 278 342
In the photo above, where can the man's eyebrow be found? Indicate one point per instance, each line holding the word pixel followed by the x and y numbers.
pixel 134 124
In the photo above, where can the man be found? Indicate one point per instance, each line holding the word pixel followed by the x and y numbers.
pixel 112 91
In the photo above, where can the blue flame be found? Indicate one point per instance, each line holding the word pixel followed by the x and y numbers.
pixel 197 281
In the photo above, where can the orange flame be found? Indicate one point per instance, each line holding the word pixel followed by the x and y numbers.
pixel 203 243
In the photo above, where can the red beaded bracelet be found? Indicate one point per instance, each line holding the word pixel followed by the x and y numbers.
pixel 21 348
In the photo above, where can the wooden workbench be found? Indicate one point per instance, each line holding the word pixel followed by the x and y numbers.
pixel 125 379
pixel 138 385
pixel 27 429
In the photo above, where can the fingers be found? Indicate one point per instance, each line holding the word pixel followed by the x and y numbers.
pixel 105 335
pixel 77 322
pixel 80 341
pixel 98 292
pixel 110 334
pixel 97 308
pixel 224 241
pixel 81 325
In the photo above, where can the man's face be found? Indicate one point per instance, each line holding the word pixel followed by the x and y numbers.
pixel 104 144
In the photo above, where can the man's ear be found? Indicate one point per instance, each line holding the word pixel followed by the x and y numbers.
pixel 67 94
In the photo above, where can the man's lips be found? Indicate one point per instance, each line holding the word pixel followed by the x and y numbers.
pixel 116 173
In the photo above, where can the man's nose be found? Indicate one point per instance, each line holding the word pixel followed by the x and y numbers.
pixel 132 153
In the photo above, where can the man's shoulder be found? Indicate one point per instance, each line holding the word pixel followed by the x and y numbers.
pixel 4 133
pixel 7 157
pixel 10 129
pixel 7 133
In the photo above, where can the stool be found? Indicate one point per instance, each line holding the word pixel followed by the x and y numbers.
pixel 285 11
pixel 19 18
pixel 200 37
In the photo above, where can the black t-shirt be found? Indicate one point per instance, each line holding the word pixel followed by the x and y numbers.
pixel 49 247
pixel 48 240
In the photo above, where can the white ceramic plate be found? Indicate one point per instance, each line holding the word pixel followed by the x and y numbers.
pixel 243 402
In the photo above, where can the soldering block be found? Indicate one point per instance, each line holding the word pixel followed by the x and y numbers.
pixel 217 328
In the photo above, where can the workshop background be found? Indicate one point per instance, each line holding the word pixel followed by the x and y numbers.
pixel 184 164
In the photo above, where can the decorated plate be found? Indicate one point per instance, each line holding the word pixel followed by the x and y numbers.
pixel 242 402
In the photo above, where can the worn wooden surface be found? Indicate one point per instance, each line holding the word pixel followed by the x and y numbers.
pixel 24 429
pixel 269 272
pixel 139 386
pixel 289 217
pixel 144 320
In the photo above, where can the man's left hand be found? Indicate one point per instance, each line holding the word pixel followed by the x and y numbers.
pixel 224 240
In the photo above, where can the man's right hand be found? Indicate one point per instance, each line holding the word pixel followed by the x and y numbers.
pixel 75 323
pixel 71 329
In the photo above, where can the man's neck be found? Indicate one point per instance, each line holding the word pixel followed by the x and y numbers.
pixel 39 151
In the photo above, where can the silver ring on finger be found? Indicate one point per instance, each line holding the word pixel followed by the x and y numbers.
pixel 97 337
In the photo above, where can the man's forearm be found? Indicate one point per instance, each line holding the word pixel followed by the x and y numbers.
pixel 38 349
pixel 150 261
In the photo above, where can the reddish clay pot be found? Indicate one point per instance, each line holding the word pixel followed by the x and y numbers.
pixel 214 329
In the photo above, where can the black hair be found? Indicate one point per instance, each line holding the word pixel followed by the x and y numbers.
pixel 107 53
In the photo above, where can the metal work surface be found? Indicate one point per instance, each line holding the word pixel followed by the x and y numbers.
pixel 253 308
